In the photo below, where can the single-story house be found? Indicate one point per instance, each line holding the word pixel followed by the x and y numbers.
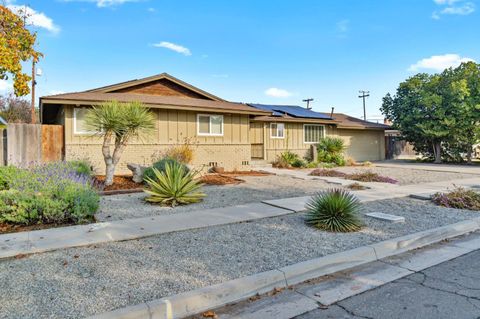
pixel 223 133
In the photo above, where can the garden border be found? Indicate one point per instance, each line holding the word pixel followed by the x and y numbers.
pixel 199 300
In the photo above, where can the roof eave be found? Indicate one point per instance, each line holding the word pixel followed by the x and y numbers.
pixel 171 106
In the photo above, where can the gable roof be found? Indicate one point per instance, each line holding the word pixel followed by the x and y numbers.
pixel 162 76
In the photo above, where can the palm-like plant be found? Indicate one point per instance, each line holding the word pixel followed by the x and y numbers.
pixel 119 122
pixel 173 187
pixel 334 210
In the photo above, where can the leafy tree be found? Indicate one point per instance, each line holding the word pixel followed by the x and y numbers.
pixel 439 114
pixel 14 109
pixel 119 122
pixel 464 96
pixel 16 45
pixel 417 110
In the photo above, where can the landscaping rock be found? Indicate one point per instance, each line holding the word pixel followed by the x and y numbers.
pixel 137 171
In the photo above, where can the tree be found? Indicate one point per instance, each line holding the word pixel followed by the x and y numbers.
pixel 119 122
pixel 417 110
pixel 16 46
pixel 14 109
pixel 464 89
pixel 439 114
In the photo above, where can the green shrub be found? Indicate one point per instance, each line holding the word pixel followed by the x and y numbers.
pixel 330 150
pixel 175 186
pixel 50 193
pixel 161 167
pixel 7 174
pixel 298 162
pixel 81 167
pixel 334 210
pixel 288 159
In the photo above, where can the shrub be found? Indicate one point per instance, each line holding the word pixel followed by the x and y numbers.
pixel 288 159
pixel 367 164
pixel 183 153
pixel 49 193
pixel 334 210
pixel 460 198
pixel 298 162
pixel 369 176
pixel 161 167
pixel 330 150
pixel 174 186
pixel 327 173
pixel 81 167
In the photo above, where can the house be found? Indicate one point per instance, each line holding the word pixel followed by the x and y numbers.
pixel 224 133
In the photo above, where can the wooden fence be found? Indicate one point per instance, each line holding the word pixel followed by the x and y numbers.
pixel 33 143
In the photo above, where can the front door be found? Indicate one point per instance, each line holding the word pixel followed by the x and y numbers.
pixel 256 140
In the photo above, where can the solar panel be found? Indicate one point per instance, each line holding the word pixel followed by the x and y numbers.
pixel 292 110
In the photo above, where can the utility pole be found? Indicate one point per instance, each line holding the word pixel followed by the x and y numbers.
pixel 363 95
pixel 308 103
pixel 33 93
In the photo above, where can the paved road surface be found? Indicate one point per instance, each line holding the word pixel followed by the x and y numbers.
pixel 450 290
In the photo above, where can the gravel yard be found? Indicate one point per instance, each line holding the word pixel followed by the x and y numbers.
pixel 255 189
pixel 406 176
pixel 77 282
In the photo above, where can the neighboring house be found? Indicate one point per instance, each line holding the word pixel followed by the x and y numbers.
pixel 223 133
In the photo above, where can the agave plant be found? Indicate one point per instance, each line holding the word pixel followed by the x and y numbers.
pixel 173 187
pixel 334 210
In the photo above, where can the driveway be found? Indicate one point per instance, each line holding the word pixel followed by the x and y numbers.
pixel 452 168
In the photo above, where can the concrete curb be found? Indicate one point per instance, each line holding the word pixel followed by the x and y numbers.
pixel 199 300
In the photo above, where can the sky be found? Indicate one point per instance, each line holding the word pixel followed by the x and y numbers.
pixel 272 52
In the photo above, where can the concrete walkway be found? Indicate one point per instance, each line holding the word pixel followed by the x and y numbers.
pixel 451 168
pixel 128 229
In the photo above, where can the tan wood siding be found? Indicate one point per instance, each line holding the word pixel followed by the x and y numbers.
pixel 162 87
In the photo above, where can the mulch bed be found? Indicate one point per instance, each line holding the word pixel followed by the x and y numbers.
pixel 219 179
pixel 120 182
pixel 6 228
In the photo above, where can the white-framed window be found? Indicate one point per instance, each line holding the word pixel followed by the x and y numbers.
pixel 277 130
pixel 313 133
pixel 210 125
pixel 79 124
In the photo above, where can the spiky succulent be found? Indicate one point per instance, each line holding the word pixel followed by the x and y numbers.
pixel 173 187
pixel 334 210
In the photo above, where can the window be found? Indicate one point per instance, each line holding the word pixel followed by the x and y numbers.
pixel 277 130
pixel 79 125
pixel 210 125
pixel 312 133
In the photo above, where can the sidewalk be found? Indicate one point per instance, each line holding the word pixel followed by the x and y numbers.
pixel 320 298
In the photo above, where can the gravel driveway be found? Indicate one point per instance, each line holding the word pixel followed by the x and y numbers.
pixel 77 282
pixel 255 189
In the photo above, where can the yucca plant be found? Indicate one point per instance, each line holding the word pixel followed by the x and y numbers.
pixel 334 210
pixel 173 187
